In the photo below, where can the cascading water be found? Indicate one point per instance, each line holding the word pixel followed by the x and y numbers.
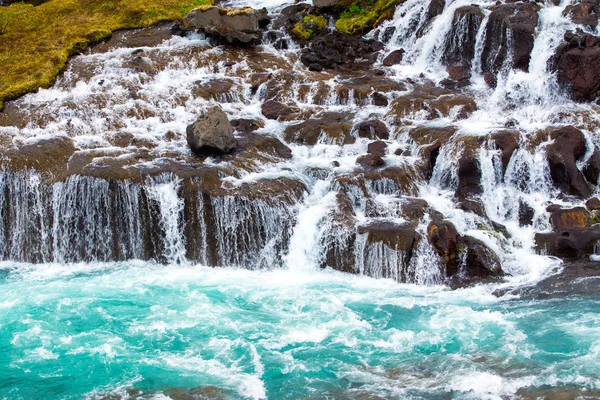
pixel 407 181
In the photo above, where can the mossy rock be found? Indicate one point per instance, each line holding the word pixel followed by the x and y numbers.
pixel 306 28
pixel 360 18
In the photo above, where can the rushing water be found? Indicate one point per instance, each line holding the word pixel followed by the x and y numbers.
pixel 137 329
pixel 82 317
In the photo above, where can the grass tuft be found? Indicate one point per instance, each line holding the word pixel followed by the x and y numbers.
pixel 36 42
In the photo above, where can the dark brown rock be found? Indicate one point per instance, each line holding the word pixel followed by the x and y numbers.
pixel 272 109
pixel 568 243
pixel 593 204
pixel 443 237
pixel 568 147
pixel 577 66
pixel 395 57
pixel 334 130
pixel 577 217
pixel 380 100
pixel 373 129
pixel 517 21
pixel 507 142
pixel 377 148
pixel 369 161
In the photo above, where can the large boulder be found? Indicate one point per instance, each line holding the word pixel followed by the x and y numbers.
pixel 577 63
pixel 239 25
pixel 509 36
pixel 211 134
pixel 568 147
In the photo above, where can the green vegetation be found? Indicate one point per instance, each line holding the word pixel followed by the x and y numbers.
pixel 361 17
pixel 301 32
pixel 36 42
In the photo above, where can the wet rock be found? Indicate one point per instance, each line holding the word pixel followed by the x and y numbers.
pixel 584 13
pixel 568 146
pixel 577 217
pixel 369 161
pixel 480 263
pixel 245 125
pixel 593 204
pixel 400 237
pixel 395 57
pixel 442 235
pixel 568 243
pixel 377 148
pixel 507 142
pixel 372 129
pixel 591 169
pixel 333 49
pixel 430 140
pixel 272 109
pixel 216 89
pixel 329 3
pixel 234 25
pixel 211 134
pixel 44 155
pixel 526 213
pixel 331 130
pixel 469 169
pixel 517 21
pixel 380 100
pixel 459 48
pixel 577 63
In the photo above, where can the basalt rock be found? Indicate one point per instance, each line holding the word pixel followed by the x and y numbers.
pixel 584 13
pixel 211 134
pixel 443 237
pixel 459 48
pixel 479 263
pixel 509 36
pixel 577 63
pixel 593 204
pixel 568 243
pixel 430 140
pixel 329 129
pixel 507 142
pixel 568 147
pixel 275 110
pixel 333 49
pixel 469 168
pixel 369 161
pixel 373 129
pixel 577 217
pixel 234 25
pixel 395 57
pixel 377 148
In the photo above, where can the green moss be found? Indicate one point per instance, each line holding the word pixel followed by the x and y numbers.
pixel 360 18
pixel 36 42
pixel 301 33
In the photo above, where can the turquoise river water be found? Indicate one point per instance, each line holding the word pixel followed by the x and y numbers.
pixel 145 331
